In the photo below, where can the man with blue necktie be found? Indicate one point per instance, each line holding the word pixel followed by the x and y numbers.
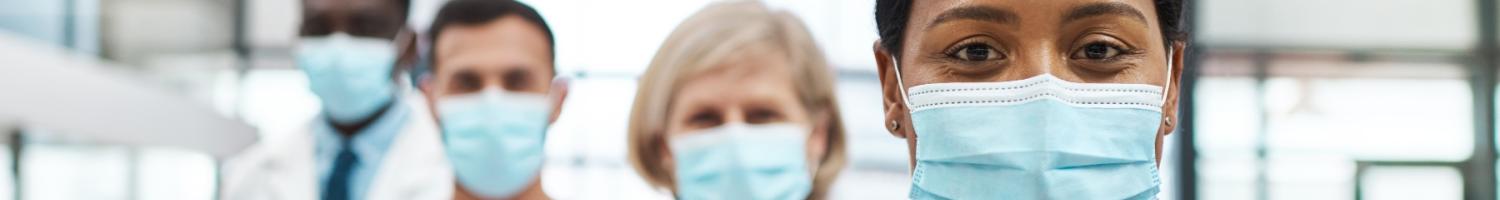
pixel 373 138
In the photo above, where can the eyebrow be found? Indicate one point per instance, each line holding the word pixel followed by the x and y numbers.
pixel 1102 9
pixel 980 13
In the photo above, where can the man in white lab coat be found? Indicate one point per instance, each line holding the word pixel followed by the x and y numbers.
pixel 373 139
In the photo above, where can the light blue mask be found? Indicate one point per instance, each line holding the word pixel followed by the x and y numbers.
pixel 1037 138
pixel 740 161
pixel 494 139
pixel 351 75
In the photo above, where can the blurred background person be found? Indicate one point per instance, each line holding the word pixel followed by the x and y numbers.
pixel 738 104
pixel 1031 100
pixel 493 91
pixel 373 138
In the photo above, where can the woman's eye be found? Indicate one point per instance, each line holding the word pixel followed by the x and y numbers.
pixel 975 52
pixel 1097 51
pixel 704 120
pixel 762 116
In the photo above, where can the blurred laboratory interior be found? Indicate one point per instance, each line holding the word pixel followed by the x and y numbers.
pixel 1283 99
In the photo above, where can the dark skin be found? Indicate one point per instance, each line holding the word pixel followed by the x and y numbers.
pixel 1087 41
pixel 365 18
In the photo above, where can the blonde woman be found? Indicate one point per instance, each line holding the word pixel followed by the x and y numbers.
pixel 738 104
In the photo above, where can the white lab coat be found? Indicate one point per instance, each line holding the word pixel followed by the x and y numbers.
pixel 415 166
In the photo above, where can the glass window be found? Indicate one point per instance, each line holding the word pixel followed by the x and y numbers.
pixel 1383 24
pixel 1301 130
pixel 1416 183
pixel 1333 99
pixel 53 170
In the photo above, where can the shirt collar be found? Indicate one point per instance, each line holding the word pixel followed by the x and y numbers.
pixel 370 143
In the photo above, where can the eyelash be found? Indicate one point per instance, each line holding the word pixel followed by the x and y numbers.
pixel 1121 51
pixel 703 119
pixel 952 53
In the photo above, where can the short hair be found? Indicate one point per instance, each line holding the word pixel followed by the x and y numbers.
pixel 477 12
pixel 891 17
pixel 697 46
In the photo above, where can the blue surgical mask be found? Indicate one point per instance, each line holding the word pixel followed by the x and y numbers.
pixel 494 139
pixel 1036 138
pixel 351 75
pixel 740 161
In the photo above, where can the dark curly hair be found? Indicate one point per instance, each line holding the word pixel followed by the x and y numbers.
pixel 891 17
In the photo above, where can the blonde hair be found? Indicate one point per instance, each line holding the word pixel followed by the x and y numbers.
pixel 703 41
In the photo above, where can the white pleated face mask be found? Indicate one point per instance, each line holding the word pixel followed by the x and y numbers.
pixel 743 161
pixel 1037 138
pixel 494 139
pixel 350 74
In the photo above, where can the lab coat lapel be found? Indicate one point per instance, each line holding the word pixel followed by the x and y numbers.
pixel 415 166
pixel 297 177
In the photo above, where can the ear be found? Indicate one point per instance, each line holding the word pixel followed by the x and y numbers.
pixel 896 120
pixel 424 86
pixel 424 83
pixel 823 123
pixel 557 94
pixel 817 141
pixel 667 163
pixel 894 103
pixel 1169 108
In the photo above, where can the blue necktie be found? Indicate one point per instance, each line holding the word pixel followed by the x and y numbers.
pixel 338 182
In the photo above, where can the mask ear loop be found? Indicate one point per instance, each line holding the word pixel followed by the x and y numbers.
pixel 1166 85
pixel 901 85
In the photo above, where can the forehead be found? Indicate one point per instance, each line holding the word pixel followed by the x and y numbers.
pixel 507 39
pixel 925 12
pixel 754 73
